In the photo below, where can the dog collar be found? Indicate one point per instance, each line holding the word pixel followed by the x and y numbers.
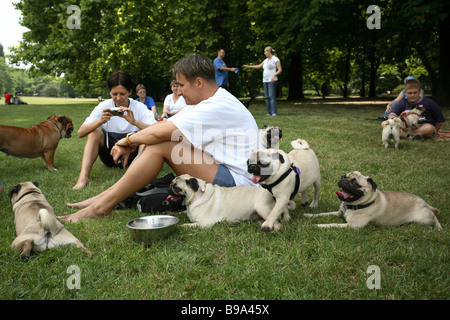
pixel 292 168
pixel 359 206
pixel 197 196
pixel 56 126
pixel 27 193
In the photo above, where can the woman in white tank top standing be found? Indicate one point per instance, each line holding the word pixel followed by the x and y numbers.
pixel 272 68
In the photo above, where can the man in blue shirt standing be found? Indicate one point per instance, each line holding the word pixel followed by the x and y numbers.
pixel 222 70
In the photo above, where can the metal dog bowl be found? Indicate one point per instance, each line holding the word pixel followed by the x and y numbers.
pixel 152 228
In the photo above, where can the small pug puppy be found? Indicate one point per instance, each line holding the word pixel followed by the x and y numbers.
pixel 285 175
pixel 37 227
pixel 362 203
pixel 270 136
pixel 392 128
pixel 208 204
pixel 410 120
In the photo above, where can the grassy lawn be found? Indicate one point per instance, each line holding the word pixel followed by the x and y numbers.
pixel 300 261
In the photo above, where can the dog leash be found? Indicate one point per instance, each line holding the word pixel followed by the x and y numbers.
pixel 292 168
pixel 405 115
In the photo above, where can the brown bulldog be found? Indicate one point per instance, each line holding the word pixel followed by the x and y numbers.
pixel 40 140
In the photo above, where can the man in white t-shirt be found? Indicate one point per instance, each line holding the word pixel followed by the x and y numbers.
pixel 210 139
pixel 103 129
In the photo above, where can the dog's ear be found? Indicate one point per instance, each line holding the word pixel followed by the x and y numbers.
pixel 281 158
pixel 14 189
pixel 36 184
pixel 62 120
pixel 374 185
pixel 193 183
pixel 264 126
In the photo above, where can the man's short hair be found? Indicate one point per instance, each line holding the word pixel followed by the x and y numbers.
pixel 194 66
pixel 412 84
pixel 139 87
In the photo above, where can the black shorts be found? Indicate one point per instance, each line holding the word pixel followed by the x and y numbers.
pixel 104 153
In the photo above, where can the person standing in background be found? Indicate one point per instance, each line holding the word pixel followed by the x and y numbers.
pixel 272 68
pixel 222 70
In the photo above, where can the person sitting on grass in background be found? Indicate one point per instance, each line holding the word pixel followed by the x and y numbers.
pixel 148 101
pixel 204 140
pixel 402 96
pixel 432 119
pixel 174 102
pixel 103 129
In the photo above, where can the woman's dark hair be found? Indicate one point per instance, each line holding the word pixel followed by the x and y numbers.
pixel 120 78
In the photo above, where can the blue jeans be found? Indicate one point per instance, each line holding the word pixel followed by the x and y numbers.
pixel 270 93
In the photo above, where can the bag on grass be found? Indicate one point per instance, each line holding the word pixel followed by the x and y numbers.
pixel 152 198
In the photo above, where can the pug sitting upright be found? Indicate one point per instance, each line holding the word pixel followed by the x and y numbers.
pixel 285 175
pixel 270 136
pixel 37 227
pixel 362 203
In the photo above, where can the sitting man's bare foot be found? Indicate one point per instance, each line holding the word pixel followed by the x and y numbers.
pixel 85 213
pixel 80 205
pixel 81 183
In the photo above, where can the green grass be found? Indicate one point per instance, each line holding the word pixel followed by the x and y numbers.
pixel 300 261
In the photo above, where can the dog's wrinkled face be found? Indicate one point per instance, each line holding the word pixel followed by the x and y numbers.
pixel 183 188
pixel 67 125
pixel 271 135
pixel 419 110
pixel 264 164
pixel 19 190
pixel 354 186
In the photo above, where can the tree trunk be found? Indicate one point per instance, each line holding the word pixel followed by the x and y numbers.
pixel 346 73
pixel 295 77
pixel 373 67
pixel 441 93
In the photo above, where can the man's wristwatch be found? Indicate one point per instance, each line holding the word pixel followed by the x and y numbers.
pixel 127 138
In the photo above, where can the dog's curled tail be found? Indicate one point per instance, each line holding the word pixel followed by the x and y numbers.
pixel 299 144
pixel 48 221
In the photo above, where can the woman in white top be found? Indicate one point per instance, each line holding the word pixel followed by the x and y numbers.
pixel 173 103
pixel 103 129
pixel 272 68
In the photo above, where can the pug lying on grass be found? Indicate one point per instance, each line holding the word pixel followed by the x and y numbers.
pixel 208 204
pixel 362 203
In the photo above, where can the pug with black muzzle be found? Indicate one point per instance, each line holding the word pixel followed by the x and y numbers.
pixel 285 175
pixel 208 204
pixel 362 203
pixel 37 227
pixel 270 136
